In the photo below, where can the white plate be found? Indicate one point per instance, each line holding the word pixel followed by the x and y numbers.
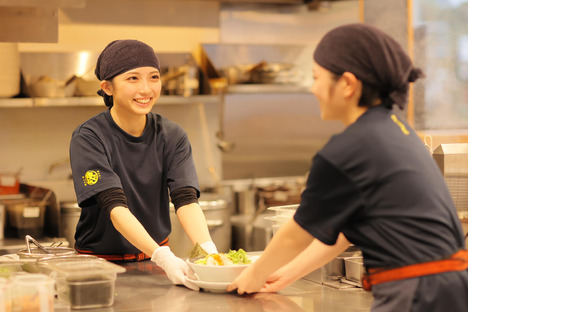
pixel 209 286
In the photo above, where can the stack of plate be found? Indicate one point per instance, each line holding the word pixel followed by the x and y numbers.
pixel 9 70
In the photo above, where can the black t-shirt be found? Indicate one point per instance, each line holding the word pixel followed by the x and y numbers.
pixel 147 167
pixel 377 183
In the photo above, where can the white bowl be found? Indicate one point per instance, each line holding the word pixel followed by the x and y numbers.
pixel 215 273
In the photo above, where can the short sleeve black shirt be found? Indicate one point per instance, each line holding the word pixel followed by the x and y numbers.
pixel 147 168
pixel 377 183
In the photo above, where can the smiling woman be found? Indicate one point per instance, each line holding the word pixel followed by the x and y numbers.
pixel 134 157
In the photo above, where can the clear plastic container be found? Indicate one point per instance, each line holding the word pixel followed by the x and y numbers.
pixel 286 211
pixel 85 284
pixel 43 264
pixel 32 292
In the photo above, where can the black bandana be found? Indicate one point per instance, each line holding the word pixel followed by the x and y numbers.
pixel 120 56
pixel 372 56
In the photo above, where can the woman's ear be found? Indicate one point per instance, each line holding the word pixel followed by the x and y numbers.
pixel 352 84
pixel 107 87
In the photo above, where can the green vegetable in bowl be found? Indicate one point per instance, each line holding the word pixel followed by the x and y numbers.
pixel 239 257
pixel 231 258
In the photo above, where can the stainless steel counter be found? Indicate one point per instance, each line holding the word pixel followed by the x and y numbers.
pixel 144 287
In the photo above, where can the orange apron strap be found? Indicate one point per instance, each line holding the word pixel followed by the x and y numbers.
pixel 456 262
pixel 126 257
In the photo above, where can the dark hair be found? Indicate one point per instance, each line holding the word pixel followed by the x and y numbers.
pixel 369 94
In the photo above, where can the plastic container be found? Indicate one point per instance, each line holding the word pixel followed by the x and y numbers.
pixel 32 292
pixel 43 264
pixel 8 269
pixel 286 211
pixel 26 216
pixel 85 284
pixel 5 295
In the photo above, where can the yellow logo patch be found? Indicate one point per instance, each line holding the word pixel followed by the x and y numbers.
pixel 91 177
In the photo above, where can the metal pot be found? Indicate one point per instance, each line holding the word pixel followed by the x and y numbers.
pixel 70 213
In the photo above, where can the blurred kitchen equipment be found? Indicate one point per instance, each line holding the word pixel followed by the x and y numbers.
pixel 2 220
pixel 40 251
pixel 354 269
pixel 452 161
pixel 182 80
pixel 208 147
pixel 262 73
pixel 331 273
pixel 223 145
pixel 9 70
pixel 45 86
pixel 34 211
pixel 86 87
pixel 26 216
pixel 69 218
pixel 30 239
pixel 10 183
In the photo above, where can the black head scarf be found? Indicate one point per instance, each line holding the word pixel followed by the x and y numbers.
pixel 120 56
pixel 372 56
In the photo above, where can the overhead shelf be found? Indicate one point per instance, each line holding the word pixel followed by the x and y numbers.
pixel 98 101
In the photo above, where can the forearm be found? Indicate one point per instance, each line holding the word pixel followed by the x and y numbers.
pixel 290 241
pixel 314 256
pixel 194 224
pixel 128 225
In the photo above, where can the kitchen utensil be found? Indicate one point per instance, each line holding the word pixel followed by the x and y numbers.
pixel 29 240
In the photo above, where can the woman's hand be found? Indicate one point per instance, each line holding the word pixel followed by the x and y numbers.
pixel 277 281
pixel 248 282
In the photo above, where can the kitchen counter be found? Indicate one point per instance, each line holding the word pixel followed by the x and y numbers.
pixel 144 287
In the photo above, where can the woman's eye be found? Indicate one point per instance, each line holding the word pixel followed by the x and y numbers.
pixel 132 78
pixel 155 77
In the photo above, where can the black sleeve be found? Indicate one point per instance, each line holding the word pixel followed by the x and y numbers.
pixel 111 198
pixel 183 196
pixel 329 202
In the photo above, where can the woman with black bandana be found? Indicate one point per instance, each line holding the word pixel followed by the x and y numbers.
pixel 127 161
pixel 374 185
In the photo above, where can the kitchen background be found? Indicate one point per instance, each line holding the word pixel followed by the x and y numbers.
pixel 274 129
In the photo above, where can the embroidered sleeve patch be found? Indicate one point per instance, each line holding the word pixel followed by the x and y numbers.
pixel 91 177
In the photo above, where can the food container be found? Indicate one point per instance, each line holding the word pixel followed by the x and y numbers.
pixel 43 265
pixel 32 292
pixel 5 295
pixel 26 216
pixel 85 284
pixel 8 269
pixel 354 269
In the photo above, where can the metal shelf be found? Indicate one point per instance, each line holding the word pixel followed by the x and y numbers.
pixel 98 101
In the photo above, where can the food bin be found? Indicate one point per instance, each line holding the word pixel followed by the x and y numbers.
pixel 43 264
pixel 85 284
pixel 26 216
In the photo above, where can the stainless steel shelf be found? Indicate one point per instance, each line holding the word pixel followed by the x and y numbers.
pixel 266 88
pixel 98 101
